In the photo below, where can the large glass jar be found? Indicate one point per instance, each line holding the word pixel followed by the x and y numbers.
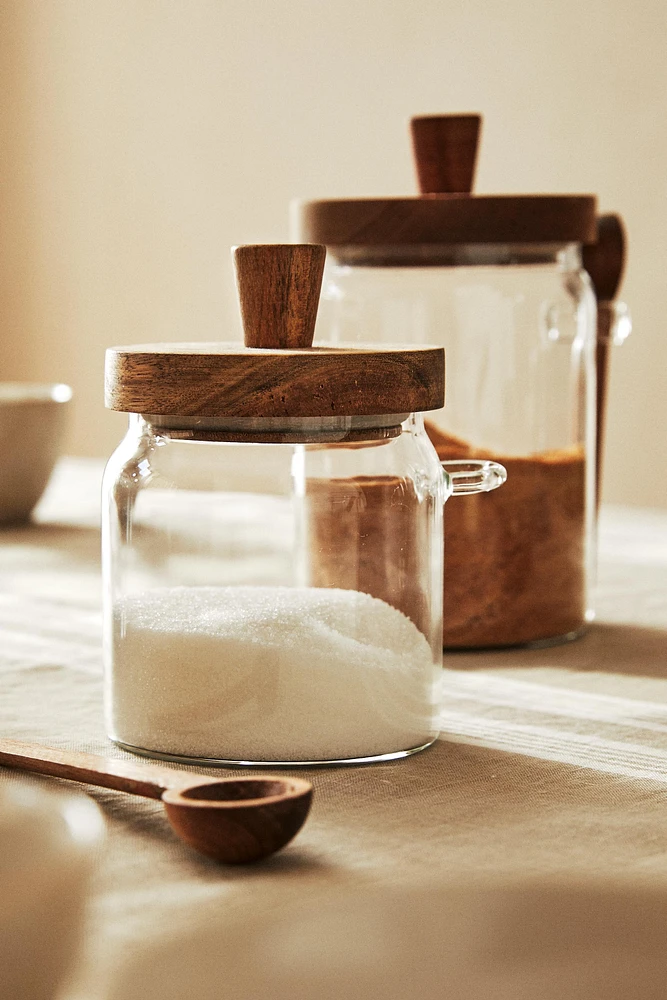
pixel 273 583
pixel 518 324
pixel 498 281
pixel 276 598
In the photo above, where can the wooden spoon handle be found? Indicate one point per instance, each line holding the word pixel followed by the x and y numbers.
pixel 605 262
pixel 126 776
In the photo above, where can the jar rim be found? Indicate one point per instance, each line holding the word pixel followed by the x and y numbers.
pixel 279 430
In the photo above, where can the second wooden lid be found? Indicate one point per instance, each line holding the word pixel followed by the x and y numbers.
pixel 279 373
pixel 445 212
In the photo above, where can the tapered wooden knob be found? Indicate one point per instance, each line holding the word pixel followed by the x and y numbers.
pixel 279 289
pixel 445 152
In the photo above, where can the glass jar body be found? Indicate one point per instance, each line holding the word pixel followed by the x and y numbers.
pixel 274 598
pixel 518 327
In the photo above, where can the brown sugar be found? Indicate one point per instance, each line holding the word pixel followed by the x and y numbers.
pixel 371 534
pixel 515 559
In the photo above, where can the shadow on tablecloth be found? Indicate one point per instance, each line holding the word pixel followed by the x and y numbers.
pixel 635 650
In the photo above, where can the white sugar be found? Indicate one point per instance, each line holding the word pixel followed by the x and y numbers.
pixel 269 674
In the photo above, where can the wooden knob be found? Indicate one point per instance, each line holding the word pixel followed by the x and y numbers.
pixel 605 259
pixel 445 152
pixel 279 289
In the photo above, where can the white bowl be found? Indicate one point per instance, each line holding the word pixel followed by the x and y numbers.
pixel 32 427
pixel 47 847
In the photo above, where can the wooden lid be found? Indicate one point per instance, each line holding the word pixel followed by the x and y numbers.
pixel 445 151
pixel 228 380
pixel 446 218
pixel 278 289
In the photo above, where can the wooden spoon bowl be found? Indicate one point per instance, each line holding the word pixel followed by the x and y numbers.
pixel 234 820
pixel 239 820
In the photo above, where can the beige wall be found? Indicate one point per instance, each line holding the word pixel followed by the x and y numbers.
pixel 141 138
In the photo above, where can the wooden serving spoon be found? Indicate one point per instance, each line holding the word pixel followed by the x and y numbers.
pixel 233 820
pixel 605 263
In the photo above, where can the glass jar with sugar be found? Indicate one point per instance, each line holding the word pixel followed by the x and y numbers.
pixel 272 538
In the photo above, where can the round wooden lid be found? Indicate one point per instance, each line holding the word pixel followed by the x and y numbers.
pixel 447 219
pixel 445 153
pixel 279 373
pixel 229 380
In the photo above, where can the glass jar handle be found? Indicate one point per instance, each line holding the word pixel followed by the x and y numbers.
pixel 468 476
pixel 614 322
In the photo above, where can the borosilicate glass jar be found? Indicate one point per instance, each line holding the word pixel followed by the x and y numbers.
pixel 273 587
pixel 518 325
pixel 500 281
pixel 497 280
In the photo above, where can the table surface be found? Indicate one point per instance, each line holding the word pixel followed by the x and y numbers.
pixel 551 762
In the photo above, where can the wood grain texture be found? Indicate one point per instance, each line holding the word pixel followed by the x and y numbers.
pixel 225 380
pixel 106 772
pixel 279 290
pixel 445 152
pixel 446 219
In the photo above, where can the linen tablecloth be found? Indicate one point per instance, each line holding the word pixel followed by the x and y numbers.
pixel 551 761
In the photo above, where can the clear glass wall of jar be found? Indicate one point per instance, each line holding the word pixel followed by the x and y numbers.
pixel 273 588
pixel 272 537
pixel 518 325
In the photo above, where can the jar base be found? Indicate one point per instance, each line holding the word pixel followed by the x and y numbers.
pixel 220 762
pixel 555 640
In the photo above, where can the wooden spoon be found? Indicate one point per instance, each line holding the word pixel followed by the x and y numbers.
pixel 234 820
pixel 605 262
